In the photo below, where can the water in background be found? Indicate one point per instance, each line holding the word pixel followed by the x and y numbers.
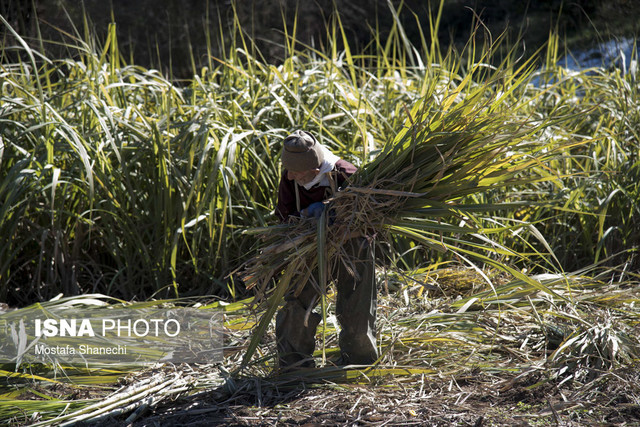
pixel 621 54
pixel 614 53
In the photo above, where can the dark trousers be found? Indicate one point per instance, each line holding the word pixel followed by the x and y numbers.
pixel 355 310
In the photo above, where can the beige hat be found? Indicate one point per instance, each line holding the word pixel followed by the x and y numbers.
pixel 301 152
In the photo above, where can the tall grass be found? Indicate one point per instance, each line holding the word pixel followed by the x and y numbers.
pixel 598 214
pixel 114 179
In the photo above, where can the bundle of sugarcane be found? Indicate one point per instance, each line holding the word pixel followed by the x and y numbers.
pixel 415 187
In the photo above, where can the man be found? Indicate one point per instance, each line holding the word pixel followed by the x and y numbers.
pixel 311 175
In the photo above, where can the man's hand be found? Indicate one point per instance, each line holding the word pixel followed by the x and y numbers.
pixel 314 210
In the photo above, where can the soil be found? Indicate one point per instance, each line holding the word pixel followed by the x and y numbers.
pixel 473 399
pixel 492 385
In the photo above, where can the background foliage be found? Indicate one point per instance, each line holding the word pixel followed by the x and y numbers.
pixel 176 37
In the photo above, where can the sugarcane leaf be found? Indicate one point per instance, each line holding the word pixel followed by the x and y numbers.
pixel 273 304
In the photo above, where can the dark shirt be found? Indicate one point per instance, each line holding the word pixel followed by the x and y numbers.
pixel 287 191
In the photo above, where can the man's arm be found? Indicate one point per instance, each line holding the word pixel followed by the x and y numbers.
pixel 345 170
pixel 286 204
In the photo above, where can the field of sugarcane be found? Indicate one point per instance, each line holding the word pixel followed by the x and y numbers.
pixel 501 189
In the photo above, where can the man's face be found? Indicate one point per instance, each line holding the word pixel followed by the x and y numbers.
pixel 302 177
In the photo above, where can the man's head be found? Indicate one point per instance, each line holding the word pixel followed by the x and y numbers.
pixel 302 156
